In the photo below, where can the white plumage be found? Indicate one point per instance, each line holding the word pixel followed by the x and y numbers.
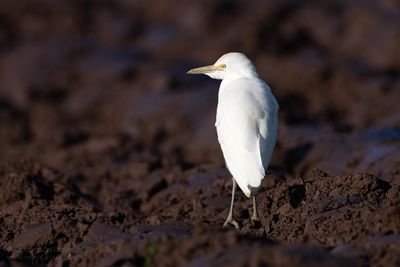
pixel 246 121
pixel 247 128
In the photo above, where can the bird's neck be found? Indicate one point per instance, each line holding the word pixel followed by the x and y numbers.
pixel 240 75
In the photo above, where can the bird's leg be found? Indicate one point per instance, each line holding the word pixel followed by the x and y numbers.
pixel 255 217
pixel 230 219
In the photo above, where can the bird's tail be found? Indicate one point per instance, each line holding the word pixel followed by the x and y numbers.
pixel 248 175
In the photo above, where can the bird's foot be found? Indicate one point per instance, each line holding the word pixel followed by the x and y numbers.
pixel 231 221
pixel 255 220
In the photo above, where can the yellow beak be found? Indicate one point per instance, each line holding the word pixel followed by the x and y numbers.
pixel 205 69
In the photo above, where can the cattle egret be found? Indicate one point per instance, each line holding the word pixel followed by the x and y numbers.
pixel 246 122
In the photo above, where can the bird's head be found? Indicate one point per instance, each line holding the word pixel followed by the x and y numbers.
pixel 230 65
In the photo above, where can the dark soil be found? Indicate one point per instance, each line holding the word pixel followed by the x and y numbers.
pixel 109 155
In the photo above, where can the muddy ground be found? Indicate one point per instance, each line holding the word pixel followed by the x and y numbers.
pixel 109 155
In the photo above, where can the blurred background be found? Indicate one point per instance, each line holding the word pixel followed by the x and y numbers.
pixel 106 143
pixel 90 77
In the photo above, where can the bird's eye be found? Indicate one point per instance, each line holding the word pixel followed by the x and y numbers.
pixel 223 66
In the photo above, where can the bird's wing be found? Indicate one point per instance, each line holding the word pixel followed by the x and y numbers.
pixel 243 124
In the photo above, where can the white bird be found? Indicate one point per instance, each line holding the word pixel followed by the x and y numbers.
pixel 247 123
